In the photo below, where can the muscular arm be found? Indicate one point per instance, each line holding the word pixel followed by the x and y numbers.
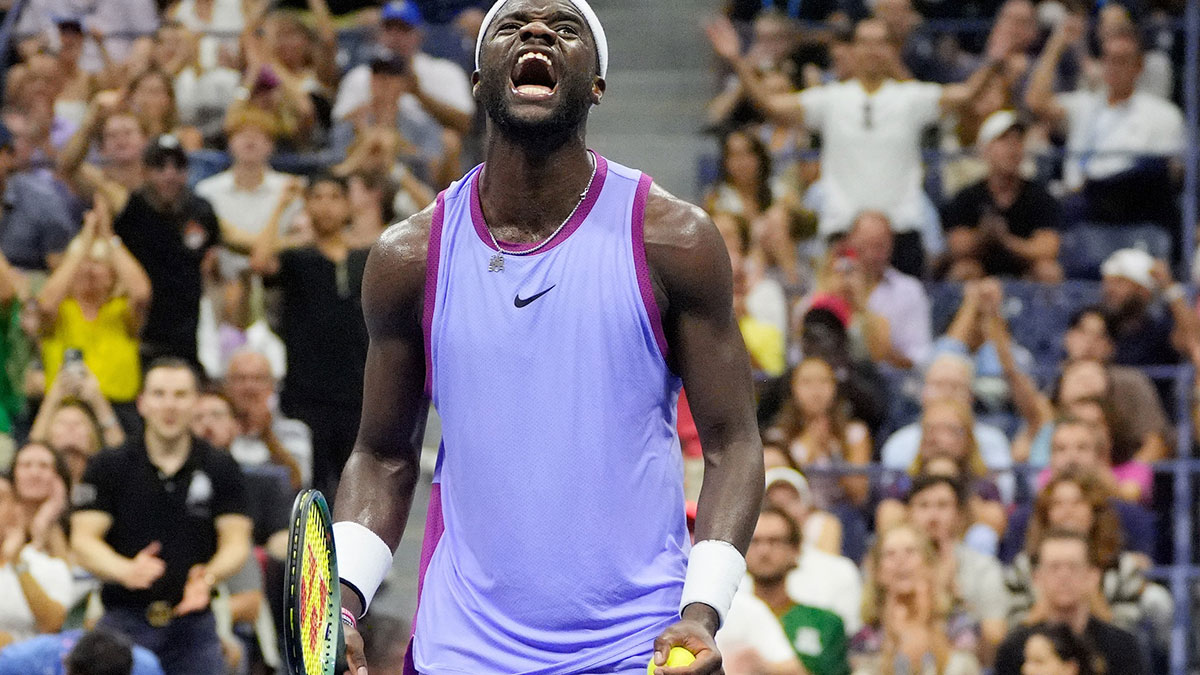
pixel 233 546
pixel 93 553
pixel 691 269
pixel 378 481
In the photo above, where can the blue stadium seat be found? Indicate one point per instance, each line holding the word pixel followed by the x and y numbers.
pixel 1085 246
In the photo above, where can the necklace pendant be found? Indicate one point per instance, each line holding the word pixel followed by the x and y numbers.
pixel 496 264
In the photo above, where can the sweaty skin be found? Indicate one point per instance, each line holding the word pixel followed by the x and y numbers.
pixel 543 175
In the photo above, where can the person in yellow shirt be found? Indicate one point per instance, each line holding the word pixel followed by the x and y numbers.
pixel 92 308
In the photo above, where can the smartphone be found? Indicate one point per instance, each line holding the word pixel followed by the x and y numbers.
pixel 72 358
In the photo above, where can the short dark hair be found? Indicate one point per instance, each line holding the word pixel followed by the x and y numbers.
pixel 926 481
pixel 1079 315
pixel 173 363
pixel 794 535
pixel 1068 646
pixel 100 652
pixel 327 177
pixel 1062 534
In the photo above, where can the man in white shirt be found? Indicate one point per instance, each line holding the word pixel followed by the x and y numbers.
pixel 871 127
pixel 251 390
pixel 1122 144
pixel 435 89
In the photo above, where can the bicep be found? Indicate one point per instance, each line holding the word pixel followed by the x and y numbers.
pixel 90 524
pixel 233 527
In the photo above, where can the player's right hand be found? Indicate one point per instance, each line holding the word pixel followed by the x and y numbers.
pixel 356 659
pixel 694 637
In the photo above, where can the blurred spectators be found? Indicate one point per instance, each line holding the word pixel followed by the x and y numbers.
pixel 744 186
pixel 121 143
pixel 908 615
pixel 93 307
pixel 842 288
pixel 817 635
pixel 174 234
pixel 1146 332
pixel 1121 143
pixel 1053 649
pixel 97 652
pixel 264 435
pixel 1066 578
pixel 815 429
pixel 322 324
pixel 1003 225
pixel 160 521
pixel 871 128
pixel 820 578
pixel 115 24
pixel 35 579
pixel 68 425
pixel 35 224
pixel 1079 502
pixel 897 297
pixel 949 376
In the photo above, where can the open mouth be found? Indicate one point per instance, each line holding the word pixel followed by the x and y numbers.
pixel 533 76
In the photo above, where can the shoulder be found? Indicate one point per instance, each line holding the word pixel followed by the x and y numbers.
pixel 215 183
pixel 394 279
pixel 970 194
pixel 1157 106
pixel 679 236
pixel 424 63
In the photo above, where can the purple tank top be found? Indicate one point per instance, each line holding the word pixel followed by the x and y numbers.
pixel 556 540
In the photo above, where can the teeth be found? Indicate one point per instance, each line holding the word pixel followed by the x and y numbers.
pixel 534 55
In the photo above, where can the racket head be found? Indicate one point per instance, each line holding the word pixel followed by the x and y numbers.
pixel 313 638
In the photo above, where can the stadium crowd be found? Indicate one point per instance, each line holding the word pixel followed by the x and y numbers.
pixel 957 259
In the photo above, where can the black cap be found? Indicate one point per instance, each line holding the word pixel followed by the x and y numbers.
pixel 165 148
pixel 384 60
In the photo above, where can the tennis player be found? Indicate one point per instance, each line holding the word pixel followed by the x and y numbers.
pixel 551 303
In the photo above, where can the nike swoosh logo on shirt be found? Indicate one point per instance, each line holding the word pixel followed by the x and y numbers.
pixel 521 302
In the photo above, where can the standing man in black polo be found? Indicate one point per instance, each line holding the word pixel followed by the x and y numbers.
pixel 173 233
pixel 160 521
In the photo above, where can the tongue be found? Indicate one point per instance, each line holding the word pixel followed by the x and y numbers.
pixel 534 90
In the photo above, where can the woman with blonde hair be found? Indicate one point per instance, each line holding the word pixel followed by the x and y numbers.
pixel 909 622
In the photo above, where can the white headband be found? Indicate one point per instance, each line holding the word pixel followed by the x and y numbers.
pixel 584 8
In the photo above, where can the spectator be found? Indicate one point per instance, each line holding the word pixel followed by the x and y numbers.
pixel 817 433
pixel 820 579
pixel 213 22
pixel 897 297
pixel 1004 225
pixel 35 223
pixel 375 157
pixel 854 119
pixel 372 200
pixel 1079 502
pixel 151 96
pixel 97 652
pixel 264 435
pixel 173 234
pixel 1083 443
pixel 204 77
pixel 949 376
pixel 817 635
pixel 93 307
pixel 434 89
pixel 744 184
pixel 842 287
pixel 322 325
pixel 160 521
pixel 122 142
pixel 906 611
pixel 270 509
pixel 788 490
pixel 34 582
pixel 765 298
pixel 938 506
pixel 1157 77
pixel 918 56
pixel 765 343
pixel 1066 577
pixel 1052 649
pixel 1145 332
pixel 76 420
pixel 1120 142
pixel 948 449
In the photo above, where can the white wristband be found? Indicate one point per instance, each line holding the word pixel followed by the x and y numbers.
pixel 715 570
pixel 363 559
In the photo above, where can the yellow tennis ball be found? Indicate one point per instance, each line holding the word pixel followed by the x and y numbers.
pixel 678 656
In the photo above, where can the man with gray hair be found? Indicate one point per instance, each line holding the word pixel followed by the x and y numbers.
pixel 949 376
pixel 266 435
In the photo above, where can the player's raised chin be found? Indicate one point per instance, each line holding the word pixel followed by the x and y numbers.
pixel 538 63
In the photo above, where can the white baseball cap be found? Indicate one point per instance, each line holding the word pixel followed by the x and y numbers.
pixel 1130 263
pixel 996 125
pixel 792 477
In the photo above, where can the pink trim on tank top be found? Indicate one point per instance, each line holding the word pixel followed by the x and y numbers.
pixel 432 259
pixel 435 525
pixel 645 281
pixel 581 213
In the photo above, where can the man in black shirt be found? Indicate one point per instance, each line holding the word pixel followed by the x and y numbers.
pixel 172 233
pixel 1065 577
pixel 160 521
pixel 321 324
pixel 1003 225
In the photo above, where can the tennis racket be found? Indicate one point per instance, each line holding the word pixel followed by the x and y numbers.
pixel 312 632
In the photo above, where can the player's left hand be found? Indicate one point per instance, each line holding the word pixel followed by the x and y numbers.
pixel 695 637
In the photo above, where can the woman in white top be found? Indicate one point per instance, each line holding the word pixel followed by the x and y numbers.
pixel 35 578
